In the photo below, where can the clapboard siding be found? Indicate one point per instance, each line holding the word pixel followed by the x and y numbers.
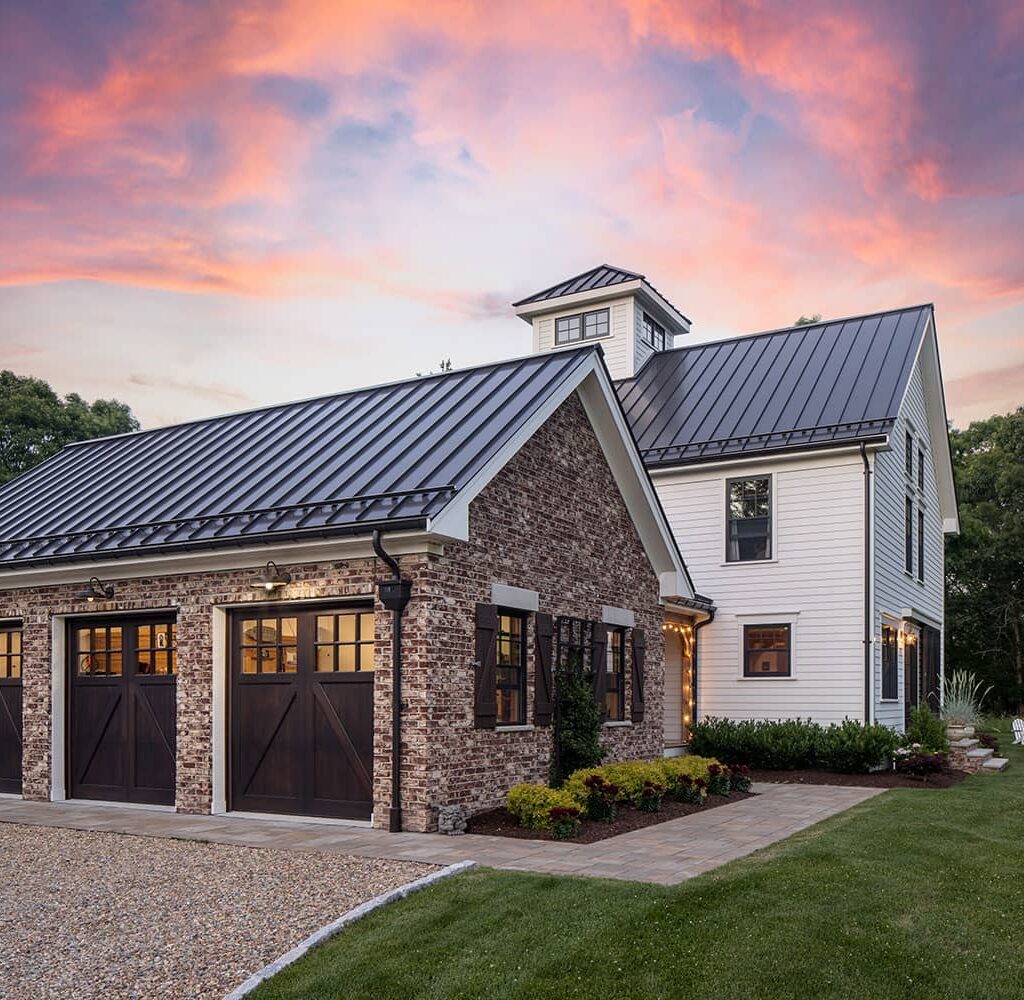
pixel 617 346
pixel 894 589
pixel 818 573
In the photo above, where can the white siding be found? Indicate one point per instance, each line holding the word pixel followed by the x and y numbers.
pixel 641 349
pixel 818 571
pixel 617 346
pixel 894 588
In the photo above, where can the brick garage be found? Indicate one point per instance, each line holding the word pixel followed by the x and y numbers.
pixel 551 519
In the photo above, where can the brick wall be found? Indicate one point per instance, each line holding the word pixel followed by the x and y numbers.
pixel 551 521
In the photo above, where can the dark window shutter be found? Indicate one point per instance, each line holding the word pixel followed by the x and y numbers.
pixel 485 702
pixel 637 687
pixel 544 685
pixel 599 665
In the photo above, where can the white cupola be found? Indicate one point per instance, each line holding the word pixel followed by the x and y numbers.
pixel 610 306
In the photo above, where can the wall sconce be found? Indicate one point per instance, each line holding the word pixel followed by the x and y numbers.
pixel 96 590
pixel 272 579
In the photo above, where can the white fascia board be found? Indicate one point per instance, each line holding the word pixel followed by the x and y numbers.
pixel 212 560
pixel 654 298
pixel 530 309
pixel 780 457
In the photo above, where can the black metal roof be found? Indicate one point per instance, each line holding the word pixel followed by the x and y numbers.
pixel 829 383
pixel 384 457
pixel 597 277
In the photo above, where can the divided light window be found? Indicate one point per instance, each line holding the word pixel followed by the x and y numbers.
pixel 890 665
pixel 908 456
pixel 344 642
pixel 920 469
pixel 748 514
pixel 511 668
pixel 10 652
pixel 654 333
pixel 269 645
pixel 582 326
pixel 766 651
pixel 615 692
pixel 908 540
pixel 920 544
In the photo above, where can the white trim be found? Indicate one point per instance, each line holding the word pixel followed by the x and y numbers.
pixel 514 597
pixel 522 728
pixel 219 710
pixel 622 617
pixel 923 616
pixel 58 709
pixel 694 468
pixel 639 287
pixel 617 724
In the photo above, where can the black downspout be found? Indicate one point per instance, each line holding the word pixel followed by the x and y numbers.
pixel 697 626
pixel 868 616
pixel 394 595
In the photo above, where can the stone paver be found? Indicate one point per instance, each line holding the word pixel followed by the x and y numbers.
pixel 666 853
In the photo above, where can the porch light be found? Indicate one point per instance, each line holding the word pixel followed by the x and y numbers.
pixel 272 579
pixel 96 590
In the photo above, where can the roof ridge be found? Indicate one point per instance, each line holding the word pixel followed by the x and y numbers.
pixel 266 407
pixel 634 276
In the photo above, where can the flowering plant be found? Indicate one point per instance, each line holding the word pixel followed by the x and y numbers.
pixel 600 798
pixel 565 821
pixel 739 778
pixel 718 780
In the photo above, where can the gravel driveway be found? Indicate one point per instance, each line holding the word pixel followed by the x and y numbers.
pixel 107 915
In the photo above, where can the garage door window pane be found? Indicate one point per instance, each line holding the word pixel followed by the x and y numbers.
pixel 349 639
pixel 10 653
pixel 156 652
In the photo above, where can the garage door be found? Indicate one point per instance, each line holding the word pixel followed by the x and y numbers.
pixel 122 709
pixel 302 712
pixel 10 709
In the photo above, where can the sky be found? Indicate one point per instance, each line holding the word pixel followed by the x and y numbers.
pixel 210 206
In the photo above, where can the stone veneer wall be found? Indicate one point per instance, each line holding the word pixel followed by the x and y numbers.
pixel 552 521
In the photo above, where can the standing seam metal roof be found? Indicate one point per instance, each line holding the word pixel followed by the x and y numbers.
pixel 389 456
pixel 597 277
pixel 828 383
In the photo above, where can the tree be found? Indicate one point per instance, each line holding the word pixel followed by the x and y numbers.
pixel 808 320
pixel 985 564
pixel 35 422
pixel 446 366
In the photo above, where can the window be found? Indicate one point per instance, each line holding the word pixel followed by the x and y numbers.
pixel 100 651
pixel 766 651
pixel 582 326
pixel 344 643
pixel 920 544
pixel 890 665
pixel 908 540
pixel 920 469
pixel 511 668
pixel 615 689
pixel 10 652
pixel 748 519
pixel 157 649
pixel 908 457
pixel 269 646
pixel 654 333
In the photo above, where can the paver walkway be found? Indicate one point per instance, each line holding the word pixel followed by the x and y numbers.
pixel 666 853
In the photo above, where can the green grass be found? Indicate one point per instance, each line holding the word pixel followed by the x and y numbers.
pixel 912 894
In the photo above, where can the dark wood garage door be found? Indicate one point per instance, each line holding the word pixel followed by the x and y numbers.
pixel 302 712
pixel 10 708
pixel 121 709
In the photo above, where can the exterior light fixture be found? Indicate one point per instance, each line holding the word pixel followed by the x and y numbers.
pixel 96 590
pixel 272 579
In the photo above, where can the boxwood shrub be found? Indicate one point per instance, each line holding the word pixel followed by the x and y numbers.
pixel 531 805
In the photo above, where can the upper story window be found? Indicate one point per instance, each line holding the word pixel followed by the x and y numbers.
pixel 654 333
pixel 920 544
pixel 748 515
pixel 766 651
pixel 920 469
pixel 615 689
pixel 908 456
pixel 890 664
pixel 908 536
pixel 582 326
pixel 510 669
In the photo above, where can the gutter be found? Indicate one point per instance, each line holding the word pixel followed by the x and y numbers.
pixel 868 616
pixel 697 626
pixel 394 595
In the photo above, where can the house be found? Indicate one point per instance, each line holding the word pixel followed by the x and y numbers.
pixel 346 607
pixel 807 475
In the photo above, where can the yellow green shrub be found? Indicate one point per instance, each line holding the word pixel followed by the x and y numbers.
pixel 531 805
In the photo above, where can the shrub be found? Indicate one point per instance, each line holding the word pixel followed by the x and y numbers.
pixel 649 799
pixel 989 741
pixel 631 777
pixel 531 805
pixel 853 747
pixel 777 746
pixel 962 696
pixel 927 729
pixel 921 764
pixel 577 726
pixel 693 790
pixel 739 777
pixel 718 780
pixel 564 821
pixel 601 796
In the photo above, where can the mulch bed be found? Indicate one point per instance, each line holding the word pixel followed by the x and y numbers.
pixel 879 779
pixel 499 823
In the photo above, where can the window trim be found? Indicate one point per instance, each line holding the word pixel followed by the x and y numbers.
pixel 747 675
pixel 920 543
pixel 908 535
pixel 619 675
pixel 908 457
pixel 523 667
pixel 656 331
pixel 920 467
pixel 581 316
pixel 889 623
pixel 772 550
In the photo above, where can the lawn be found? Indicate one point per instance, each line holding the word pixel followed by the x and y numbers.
pixel 916 893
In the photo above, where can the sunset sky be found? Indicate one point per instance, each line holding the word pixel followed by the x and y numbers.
pixel 210 206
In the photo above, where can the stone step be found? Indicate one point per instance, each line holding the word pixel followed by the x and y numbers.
pixel 981 753
pixel 995 765
pixel 967 743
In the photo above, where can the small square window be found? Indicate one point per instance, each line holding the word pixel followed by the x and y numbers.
pixel 766 651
